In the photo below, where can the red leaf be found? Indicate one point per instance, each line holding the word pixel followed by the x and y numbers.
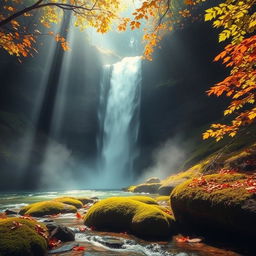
pixel 79 216
pixel 79 248
pixel 16 225
pixel 53 242
pixel 182 239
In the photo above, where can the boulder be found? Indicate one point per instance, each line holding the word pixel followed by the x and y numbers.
pixel 20 238
pixel 60 232
pixel 47 208
pixel 215 203
pixel 125 214
pixel 71 201
pixel 151 188
pixel 143 199
pixel 153 180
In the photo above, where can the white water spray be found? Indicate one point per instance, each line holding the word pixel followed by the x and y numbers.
pixel 119 121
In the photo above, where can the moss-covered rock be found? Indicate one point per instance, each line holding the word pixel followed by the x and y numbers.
pixel 125 214
pixel 153 180
pixel 231 209
pixel 22 240
pixel 70 201
pixel 162 198
pixel 151 188
pixel 143 199
pixel 130 188
pixel 47 208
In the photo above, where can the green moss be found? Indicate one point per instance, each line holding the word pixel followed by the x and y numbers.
pixel 143 199
pixel 225 196
pixel 162 198
pixel 230 209
pixel 125 214
pixel 130 189
pixel 21 241
pixel 70 201
pixel 47 208
pixel 147 188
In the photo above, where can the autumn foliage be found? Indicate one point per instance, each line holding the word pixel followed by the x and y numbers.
pixel 238 21
pixel 23 22
pixel 240 86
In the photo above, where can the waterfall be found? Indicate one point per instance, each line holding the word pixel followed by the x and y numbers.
pixel 119 122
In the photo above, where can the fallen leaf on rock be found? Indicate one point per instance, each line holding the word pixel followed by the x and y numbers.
pixel 27 217
pixel 16 225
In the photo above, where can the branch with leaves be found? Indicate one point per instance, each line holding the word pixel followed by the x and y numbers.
pixel 17 37
pixel 238 21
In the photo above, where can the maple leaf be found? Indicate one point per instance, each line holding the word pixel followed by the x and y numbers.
pixel 78 248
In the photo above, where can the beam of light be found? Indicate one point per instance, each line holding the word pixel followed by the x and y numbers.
pixel 26 145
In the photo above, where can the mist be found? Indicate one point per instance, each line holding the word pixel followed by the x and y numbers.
pixel 167 159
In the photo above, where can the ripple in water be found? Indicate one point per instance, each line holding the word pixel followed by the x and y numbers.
pixel 129 246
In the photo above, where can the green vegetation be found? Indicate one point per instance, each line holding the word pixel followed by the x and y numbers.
pixel 22 240
pixel 47 208
pixel 162 198
pixel 125 214
pixel 147 188
pixel 143 199
pixel 226 196
pixel 70 201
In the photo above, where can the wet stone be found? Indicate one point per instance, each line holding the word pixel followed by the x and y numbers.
pixel 10 212
pixel 61 232
pixel 64 248
pixel 110 241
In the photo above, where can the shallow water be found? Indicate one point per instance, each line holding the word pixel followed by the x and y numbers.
pixel 19 199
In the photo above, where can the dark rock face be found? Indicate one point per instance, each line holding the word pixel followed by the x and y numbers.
pixel 60 232
pixel 173 102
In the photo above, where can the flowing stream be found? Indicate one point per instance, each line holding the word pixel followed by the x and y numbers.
pixel 119 122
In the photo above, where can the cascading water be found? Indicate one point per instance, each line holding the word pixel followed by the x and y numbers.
pixel 119 122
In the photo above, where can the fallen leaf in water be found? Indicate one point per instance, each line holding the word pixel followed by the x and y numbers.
pixel 53 242
pixel 79 216
pixel 82 228
pixel 79 248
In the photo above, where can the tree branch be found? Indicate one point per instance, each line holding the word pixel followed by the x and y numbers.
pixel 38 5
